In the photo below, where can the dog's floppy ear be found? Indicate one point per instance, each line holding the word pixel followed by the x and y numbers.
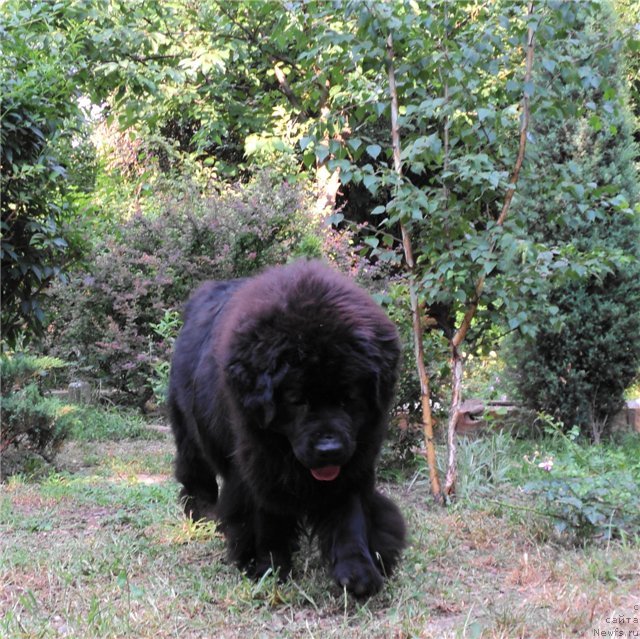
pixel 253 391
pixel 380 355
pixel 252 376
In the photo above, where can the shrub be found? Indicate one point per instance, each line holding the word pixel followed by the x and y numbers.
pixel 590 493
pixel 587 347
pixel 32 423
pixel 579 373
pixel 109 319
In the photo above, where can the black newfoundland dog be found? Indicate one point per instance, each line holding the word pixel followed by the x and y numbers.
pixel 280 388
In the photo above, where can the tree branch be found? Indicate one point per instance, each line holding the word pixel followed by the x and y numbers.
pixel 460 334
pixel 286 89
pixel 513 180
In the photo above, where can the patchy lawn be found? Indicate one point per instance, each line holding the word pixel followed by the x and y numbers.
pixel 100 549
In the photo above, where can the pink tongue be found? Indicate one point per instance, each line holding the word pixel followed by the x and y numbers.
pixel 328 473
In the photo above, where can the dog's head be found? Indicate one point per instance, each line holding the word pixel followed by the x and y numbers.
pixel 310 356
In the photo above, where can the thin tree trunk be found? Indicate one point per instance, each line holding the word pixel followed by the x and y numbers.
pixel 418 331
pixel 454 412
pixel 460 334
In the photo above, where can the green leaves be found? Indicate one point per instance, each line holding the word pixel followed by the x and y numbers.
pixel 374 150
pixel 371 182
pixel 485 113
pixel 422 151
pixel 44 59
pixel 229 90
pixel 587 496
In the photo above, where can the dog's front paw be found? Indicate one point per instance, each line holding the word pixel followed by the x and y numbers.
pixel 358 576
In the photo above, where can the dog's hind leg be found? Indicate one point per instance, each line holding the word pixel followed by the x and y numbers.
pixel 198 478
pixel 199 493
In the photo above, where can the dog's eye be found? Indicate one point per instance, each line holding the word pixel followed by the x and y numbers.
pixel 349 402
pixel 292 398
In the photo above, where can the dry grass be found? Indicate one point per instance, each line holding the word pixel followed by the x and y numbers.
pixel 101 550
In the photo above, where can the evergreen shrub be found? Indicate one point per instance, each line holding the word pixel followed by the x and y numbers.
pixel 581 195
pixel 33 423
pixel 579 373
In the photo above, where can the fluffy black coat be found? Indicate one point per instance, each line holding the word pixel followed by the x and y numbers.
pixel 280 386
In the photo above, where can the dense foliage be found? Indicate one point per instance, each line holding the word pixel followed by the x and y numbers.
pixel 31 420
pixel 586 349
pixel 41 134
pixel 111 319
pixel 124 125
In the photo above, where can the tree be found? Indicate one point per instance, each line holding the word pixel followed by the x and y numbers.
pixel 40 113
pixel 461 88
pixel 218 79
pixel 229 83
pixel 586 348
pixel 313 85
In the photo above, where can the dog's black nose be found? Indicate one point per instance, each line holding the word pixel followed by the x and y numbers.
pixel 328 446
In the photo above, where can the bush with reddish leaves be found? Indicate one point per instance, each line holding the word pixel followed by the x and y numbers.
pixel 104 319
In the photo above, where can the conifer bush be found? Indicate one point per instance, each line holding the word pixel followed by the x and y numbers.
pixel 32 421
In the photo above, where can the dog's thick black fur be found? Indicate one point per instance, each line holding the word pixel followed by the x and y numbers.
pixel 280 387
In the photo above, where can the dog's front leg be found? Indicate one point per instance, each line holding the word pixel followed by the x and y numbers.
pixel 345 544
pixel 276 537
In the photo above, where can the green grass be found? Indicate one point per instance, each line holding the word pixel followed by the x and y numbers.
pixel 99 548
pixel 92 423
